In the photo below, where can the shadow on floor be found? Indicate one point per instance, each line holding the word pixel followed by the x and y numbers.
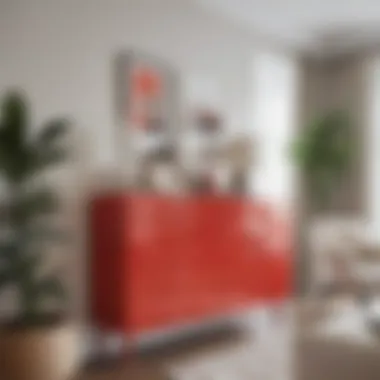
pixel 148 363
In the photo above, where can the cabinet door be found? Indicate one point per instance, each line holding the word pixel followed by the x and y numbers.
pixel 273 246
pixel 158 231
pixel 243 263
pixel 108 301
pixel 221 263
pixel 280 255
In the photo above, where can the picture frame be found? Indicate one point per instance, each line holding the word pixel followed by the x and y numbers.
pixel 147 100
pixel 146 90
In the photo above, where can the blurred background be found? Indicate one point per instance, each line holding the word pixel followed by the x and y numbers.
pixel 223 172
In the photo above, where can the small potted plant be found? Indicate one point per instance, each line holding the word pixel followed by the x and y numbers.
pixel 37 341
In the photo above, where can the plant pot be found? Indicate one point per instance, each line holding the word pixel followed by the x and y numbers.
pixel 39 353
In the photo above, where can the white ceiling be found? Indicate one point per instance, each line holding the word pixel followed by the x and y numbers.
pixel 303 24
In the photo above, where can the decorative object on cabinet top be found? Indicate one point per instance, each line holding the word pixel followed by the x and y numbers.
pixel 208 121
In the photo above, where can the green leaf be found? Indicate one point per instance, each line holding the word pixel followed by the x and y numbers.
pixel 46 233
pixel 52 287
pixel 52 132
pixel 7 250
pixel 25 267
pixel 16 164
pixel 39 202
pixel 14 118
pixel 20 157
pixel 5 279
pixel 49 157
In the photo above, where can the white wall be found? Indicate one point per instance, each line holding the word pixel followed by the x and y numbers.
pixel 61 53
pixel 275 85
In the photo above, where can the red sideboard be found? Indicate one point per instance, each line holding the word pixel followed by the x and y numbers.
pixel 159 261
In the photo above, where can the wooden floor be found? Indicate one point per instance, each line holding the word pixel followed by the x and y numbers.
pixel 126 371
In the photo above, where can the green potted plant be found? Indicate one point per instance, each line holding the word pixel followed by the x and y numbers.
pixel 323 154
pixel 323 151
pixel 37 342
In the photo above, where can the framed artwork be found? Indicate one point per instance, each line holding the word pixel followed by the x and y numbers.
pixel 147 111
pixel 147 93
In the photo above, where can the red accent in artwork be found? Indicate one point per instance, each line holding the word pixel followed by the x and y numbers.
pixel 146 82
pixel 146 90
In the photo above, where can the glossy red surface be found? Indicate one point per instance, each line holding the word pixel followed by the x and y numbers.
pixel 158 261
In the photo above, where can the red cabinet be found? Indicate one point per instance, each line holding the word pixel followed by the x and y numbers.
pixel 158 261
